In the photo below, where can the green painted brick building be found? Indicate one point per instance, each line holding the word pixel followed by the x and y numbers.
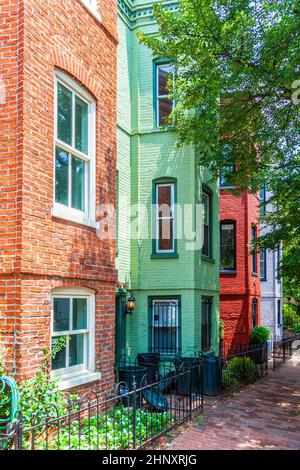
pixel 176 287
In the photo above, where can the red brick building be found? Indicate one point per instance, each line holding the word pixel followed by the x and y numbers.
pixel 239 275
pixel 58 131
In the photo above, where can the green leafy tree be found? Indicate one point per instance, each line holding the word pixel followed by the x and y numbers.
pixel 237 93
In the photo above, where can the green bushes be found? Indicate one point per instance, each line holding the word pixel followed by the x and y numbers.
pixel 291 319
pixel 239 369
pixel 260 335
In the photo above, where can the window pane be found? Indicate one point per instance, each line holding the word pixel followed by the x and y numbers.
pixel 165 327
pixel 206 324
pixel 61 320
pixel 205 248
pixel 61 176
pixel 78 183
pixel 227 246
pixel 81 125
pixel 164 72
pixel 164 197
pixel 165 107
pixel 59 361
pixel 165 241
pixel 64 114
pixel 263 264
pixel 76 347
pixel 79 314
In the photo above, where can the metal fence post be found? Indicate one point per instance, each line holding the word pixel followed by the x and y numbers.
pixel 134 413
pixel 18 434
pixel 283 351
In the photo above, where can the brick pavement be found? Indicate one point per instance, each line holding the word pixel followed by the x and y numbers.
pixel 265 415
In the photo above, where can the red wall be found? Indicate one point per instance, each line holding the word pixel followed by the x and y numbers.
pixel 38 251
pixel 239 288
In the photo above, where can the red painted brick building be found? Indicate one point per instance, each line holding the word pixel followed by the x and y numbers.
pixel 58 132
pixel 239 275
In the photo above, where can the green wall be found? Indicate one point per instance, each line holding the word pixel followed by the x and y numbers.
pixel 144 154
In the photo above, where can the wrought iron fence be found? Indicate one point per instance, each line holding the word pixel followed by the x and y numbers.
pixel 129 418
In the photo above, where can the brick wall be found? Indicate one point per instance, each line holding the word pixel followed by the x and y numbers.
pixel 238 289
pixel 38 251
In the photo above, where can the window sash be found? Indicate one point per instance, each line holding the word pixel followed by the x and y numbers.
pixel 170 218
pixel 165 330
pixel 254 254
pixel 228 246
pixel 263 264
pixel 254 312
pixel 161 97
pixel 88 209
pixel 206 324
pixel 71 332
pixel 206 249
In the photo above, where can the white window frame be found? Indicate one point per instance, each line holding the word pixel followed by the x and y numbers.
pixel 158 96
pixel 86 217
pixel 170 217
pixel 77 375
pixel 164 301
pixel 92 6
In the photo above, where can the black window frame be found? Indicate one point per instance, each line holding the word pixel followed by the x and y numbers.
pixel 225 222
pixel 264 276
pixel 206 332
pixel 151 345
pixel 209 255
pixel 254 254
pixel 254 313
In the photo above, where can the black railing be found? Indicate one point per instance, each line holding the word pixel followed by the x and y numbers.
pixel 129 418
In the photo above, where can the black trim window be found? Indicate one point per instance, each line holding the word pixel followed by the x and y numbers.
pixel 263 264
pixel 206 323
pixel 279 314
pixel 207 217
pixel 228 246
pixel 165 326
pixel 164 105
pixel 254 313
pixel 254 254
pixel 262 197
pixel 165 206
pixel 278 262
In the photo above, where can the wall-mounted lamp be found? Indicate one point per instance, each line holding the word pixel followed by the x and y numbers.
pixel 131 304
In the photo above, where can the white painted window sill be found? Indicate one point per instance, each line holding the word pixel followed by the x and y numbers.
pixel 92 10
pixel 75 380
pixel 72 215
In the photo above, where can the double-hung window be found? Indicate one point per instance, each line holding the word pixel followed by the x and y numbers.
pixel 164 105
pixel 207 218
pixel 263 264
pixel 254 254
pixel 72 337
pixel 254 313
pixel 206 323
pixel 74 152
pixel 164 208
pixel 262 197
pixel 164 326
pixel 228 246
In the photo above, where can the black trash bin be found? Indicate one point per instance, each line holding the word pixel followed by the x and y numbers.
pixel 151 362
pixel 189 382
pixel 212 375
pixel 126 373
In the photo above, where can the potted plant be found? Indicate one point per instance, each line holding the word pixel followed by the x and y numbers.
pixel 258 350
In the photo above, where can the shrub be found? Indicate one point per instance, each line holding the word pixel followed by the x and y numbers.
pixel 239 369
pixel 297 328
pixel 290 316
pixel 260 335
